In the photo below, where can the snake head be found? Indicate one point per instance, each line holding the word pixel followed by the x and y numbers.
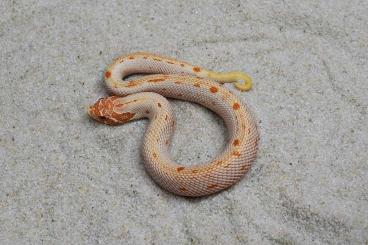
pixel 109 111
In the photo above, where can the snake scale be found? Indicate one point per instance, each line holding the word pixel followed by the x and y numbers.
pixel 144 97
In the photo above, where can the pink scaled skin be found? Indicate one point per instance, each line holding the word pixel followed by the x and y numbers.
pixel 145 98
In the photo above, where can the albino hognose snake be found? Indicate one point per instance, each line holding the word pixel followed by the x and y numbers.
pixel 144 98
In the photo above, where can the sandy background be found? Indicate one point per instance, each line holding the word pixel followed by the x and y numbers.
pixel 65 179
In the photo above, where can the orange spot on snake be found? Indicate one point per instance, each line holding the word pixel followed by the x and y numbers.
pixel 108 74
pixel 197 85
pixel 182 65
pixel 219 162
pixel 157 59
pixel 236 106
pixel 154 155
pixel 236 142
pixel 170 62
pixel 248 130
pixel 194 171
pixel 145 57
pixel 159 105
pixel 180 169
pixel 236 153
pixel 183 189
pixel 166 118
pixel 213 89
pixel 212 186
pixel 131 57
pixel 166 142
pixel 196 69
pixel 132 83
pixel 178 82
pixel 244 167
pixel 156 80
pixel 147 111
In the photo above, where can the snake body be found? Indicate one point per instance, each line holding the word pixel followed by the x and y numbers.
pixel 145 98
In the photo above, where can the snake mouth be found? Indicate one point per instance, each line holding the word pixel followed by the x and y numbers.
pixel 92 113
pixel 91 110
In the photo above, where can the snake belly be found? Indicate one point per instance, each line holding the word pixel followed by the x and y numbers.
pixel 144 97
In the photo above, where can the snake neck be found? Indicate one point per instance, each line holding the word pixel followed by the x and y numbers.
pixel 158 136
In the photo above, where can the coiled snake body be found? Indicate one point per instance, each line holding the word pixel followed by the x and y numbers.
pixel 144 98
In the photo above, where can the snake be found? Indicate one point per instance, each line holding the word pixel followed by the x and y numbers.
pixel 145 97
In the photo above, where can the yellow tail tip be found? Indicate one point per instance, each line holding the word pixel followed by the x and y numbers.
pixel 243 81
pixel 244 85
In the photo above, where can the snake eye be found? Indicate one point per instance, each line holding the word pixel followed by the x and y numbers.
pixel 102 118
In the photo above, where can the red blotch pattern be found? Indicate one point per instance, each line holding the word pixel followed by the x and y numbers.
pixel 196 69
pixel 108 74
pixel 213 89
